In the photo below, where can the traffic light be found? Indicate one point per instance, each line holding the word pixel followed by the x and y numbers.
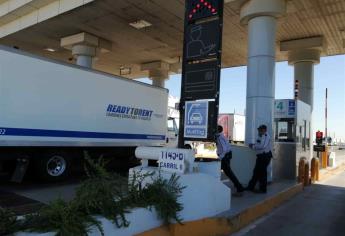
pixel 296 89
pixel 319 137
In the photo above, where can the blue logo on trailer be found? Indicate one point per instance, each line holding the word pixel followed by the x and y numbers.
pixel 196 119
pixel 292 108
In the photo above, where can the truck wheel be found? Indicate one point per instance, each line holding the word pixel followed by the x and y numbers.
pixel 52 166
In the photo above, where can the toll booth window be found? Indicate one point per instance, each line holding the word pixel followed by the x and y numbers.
pixel 306 135
pixel 304 140
pixel 298 134
pixel 285 130
pixel 171 125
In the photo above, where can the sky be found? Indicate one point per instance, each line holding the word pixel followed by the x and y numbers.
pixel 330 73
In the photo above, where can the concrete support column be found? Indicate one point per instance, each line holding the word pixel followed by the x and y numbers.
pixel 304 74
pixel 158 72
pixel 85 47
pixel 303 61
pixel 260 15
pixel 303 55
pixel 159 82
pixel 84 55
pixel 159 77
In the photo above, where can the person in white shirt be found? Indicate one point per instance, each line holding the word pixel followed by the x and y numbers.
pixel 264 156
pixel 225 154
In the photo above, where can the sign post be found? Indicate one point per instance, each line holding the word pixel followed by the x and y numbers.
pixel 199 103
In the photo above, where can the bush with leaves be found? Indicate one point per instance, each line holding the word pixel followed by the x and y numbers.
pixel 8 222
pixel 111 196
pixel 103 193
pixel 163 194
pixel 135 194
pixel 108 195
pixel 66 219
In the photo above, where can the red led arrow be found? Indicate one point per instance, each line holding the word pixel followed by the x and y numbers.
pixel 198 6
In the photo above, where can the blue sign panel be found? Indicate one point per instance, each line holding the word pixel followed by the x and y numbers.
pixel 284 108
pixel 196 119
pixel 292 108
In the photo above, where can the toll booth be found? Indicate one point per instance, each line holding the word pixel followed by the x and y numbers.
pixel 292 136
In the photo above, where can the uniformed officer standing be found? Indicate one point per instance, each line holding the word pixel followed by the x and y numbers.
pixel 264 156
pixel 225 154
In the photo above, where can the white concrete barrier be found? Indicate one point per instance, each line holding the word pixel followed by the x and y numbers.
pixel 140 220
pixel 204 196
pixel 210 168
pixel 242 163
pixel 331 160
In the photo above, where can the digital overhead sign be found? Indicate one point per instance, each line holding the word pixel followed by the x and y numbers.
pixel 201 81
pixel 201 69
pixel 202 40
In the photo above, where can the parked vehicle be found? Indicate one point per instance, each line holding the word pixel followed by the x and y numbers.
pixel 234 126
pixel 341 146
pixel 52 112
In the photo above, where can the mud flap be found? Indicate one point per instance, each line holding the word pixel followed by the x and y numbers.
pixel 21 168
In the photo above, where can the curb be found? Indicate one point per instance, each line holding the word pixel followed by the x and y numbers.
pixel 328 173
pixel 226 226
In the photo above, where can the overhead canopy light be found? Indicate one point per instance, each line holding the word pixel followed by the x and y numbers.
pixel 50 49
pixel 140 24
pixel 125 70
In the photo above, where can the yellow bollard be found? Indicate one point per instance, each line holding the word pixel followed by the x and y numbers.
pixel 312 170
pixel 306 174
pixel 301 169
pixel 317 169
pixel 324 156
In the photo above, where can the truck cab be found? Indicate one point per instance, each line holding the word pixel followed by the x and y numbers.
pixel 172 133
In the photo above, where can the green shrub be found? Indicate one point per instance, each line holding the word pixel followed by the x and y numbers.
pixel 66 219
pixel 103 193
pixel 8 222
pixel 163 194
pixel 135 194
pixel 108 195
pixel 112 196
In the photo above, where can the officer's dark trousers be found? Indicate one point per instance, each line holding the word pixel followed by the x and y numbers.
pixel 228 172
pixel 260 172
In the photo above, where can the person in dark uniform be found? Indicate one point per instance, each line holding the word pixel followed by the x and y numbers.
pixel 263 159
pixel 225 154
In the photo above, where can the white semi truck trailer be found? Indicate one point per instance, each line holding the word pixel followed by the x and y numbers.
pixel 51 112
pixel 234 126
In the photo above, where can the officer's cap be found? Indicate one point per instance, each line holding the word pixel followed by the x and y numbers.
pixel 262 127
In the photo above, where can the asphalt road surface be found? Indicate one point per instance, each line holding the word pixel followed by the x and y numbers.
pixel 318 211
